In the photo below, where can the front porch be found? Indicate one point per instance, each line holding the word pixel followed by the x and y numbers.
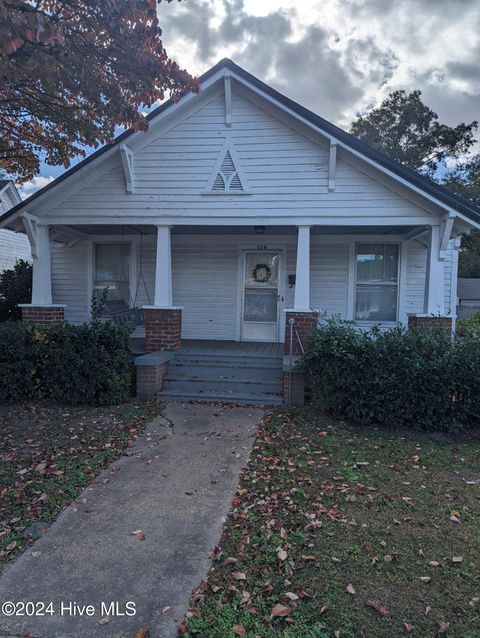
pixel 219 300
pixel 214 348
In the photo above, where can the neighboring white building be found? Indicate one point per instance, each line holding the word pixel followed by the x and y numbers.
pixel 236 205
pixel 13 245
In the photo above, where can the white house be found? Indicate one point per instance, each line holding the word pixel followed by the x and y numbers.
pixel 13 246
pixel 237 206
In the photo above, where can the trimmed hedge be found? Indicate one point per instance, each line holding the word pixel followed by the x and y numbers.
pixel 86 364
pixel 396 378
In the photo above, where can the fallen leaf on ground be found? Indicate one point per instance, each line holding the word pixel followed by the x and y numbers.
pixel 408 627
pixel 351 590
pixel 383 611
pixel 280 611
pixel 142 632
pixel 239 576
pixel 282 555
pixel 291 596
pixel 239 630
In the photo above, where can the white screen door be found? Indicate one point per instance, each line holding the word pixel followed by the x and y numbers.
pixel 260 296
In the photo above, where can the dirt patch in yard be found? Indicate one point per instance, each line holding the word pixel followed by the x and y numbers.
pixel 339 532
pixel 48 454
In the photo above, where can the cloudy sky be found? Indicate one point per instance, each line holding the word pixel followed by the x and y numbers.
pixel 336 57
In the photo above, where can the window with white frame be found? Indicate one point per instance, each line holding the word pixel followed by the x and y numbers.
pixel 376 282
pixel 111 270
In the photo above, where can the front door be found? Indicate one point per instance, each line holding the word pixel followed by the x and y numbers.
pixel 260 307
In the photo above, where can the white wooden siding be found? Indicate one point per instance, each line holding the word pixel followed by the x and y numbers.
pixel 329 276
pixel 70 280
pixel 286 172
pixel 13 246
pixel 206 282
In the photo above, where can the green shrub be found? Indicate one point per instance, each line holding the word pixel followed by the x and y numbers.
pixel 86 364
pixel 397 377
pixel 15 288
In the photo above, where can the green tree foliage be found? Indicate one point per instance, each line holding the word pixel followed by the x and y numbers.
pixel 15 288
pixel 408 130
pixel 464 179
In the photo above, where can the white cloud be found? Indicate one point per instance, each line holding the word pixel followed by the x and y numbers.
pixel 28 188
pixel 341 56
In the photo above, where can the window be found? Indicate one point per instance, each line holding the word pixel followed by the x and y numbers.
pixel 376 289
pixel 112 271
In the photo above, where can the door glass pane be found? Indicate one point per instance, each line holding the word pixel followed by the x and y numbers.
pixel 376 303
pixel 261 269
pixel 111 270
pixel 260 305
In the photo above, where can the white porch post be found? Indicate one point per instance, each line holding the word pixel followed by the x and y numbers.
pixel 302 278
pixel 163 269
pixel 42 271
pixel 434 303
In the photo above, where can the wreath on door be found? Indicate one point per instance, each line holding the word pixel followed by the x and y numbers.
pixel 262 273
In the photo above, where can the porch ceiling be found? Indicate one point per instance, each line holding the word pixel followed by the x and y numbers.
pixel 118 230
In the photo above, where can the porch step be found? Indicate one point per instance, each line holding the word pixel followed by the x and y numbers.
pixel 221 396
pixel 224 377
pixel 228 369
pixel 228 358
pixel 202 384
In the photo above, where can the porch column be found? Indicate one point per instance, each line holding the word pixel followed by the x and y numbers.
pixel 163 269
pixel 303 317
pixel 302 277
pixel 41 310
pixel 434 302
pixel 434 299
pixel 163 320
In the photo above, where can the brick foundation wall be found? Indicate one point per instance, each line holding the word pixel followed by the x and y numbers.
pixel 298 389
pixel 43 315
pixel 150 380
pixel 163 329
pixel 430 323
pixel 306 322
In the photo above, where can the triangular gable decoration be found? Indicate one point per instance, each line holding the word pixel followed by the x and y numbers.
pixel 227 177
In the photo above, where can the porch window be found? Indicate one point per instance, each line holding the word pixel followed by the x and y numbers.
pixel 111 271
pixel 376 288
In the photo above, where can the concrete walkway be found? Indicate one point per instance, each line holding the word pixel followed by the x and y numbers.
pixel 175 486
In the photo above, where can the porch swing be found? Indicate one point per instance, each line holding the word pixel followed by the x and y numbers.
pixel 118 312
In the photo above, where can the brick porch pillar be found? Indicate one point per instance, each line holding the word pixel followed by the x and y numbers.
pixel 430 322
pixel 305 324
pixel 163 329
pixel 43 315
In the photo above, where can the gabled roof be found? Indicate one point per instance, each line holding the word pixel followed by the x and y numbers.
pixel 421 182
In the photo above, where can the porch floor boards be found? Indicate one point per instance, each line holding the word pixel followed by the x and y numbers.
pixel 255 349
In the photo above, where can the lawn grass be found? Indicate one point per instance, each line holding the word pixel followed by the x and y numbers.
pixel 351 533
pixel 49 454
